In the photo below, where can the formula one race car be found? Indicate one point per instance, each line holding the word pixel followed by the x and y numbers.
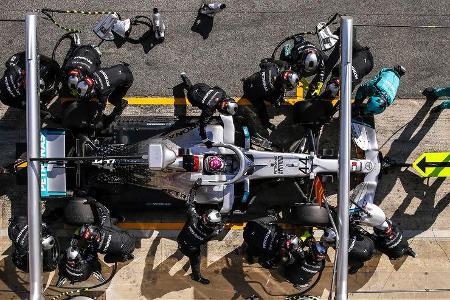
pixel 170 157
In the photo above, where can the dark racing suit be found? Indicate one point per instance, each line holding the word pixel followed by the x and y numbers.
pixel 112 84
pixel 18 234
pixel 84 58
pixel 117 244
pixel 362 61
pixel 207 99
pixel 303 270
pixel 194 234
pixel 391 242
pixel 12 84
pixel 80 268
pixel 263 238
pixel 293 57
pixel 265 85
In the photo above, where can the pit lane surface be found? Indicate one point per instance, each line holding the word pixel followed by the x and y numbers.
pixel 245 32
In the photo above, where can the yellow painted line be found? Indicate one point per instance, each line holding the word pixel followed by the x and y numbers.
pixel 179 226
pixel 174 226
pixel 179 101
pixel 169 226
pixel 184 101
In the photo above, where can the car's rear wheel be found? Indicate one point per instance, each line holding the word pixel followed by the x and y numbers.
pixel 307 214
pixel 77 212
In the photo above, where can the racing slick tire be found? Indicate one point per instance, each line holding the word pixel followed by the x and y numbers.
pixel 77 212
pixel 307 214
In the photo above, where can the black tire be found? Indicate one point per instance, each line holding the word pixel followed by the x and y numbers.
pixel 78 213
pixel 307 214
pixel 78 114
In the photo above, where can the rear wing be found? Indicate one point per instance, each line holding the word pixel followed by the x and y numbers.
pixel 53 174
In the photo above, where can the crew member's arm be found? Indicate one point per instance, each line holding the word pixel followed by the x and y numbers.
pixel 362 92
pixel 17 61
pixel 317 82
pixel 103 213
pixel 192 213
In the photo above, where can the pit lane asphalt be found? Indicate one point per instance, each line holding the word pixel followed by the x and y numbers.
pixel 243 34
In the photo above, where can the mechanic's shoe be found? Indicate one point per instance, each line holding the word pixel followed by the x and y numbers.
pixel 430 94
pixel 200 279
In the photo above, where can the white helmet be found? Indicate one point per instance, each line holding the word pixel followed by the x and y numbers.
pixel 212 218
pixel 72 253
pixel 48 242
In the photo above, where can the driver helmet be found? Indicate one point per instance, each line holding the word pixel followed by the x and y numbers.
pixel 289 79
pixel 214 164
pixel 228 106
pixel 212 218
pixel 308 60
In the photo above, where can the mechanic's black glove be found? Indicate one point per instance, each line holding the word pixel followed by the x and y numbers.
pixel 208 144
